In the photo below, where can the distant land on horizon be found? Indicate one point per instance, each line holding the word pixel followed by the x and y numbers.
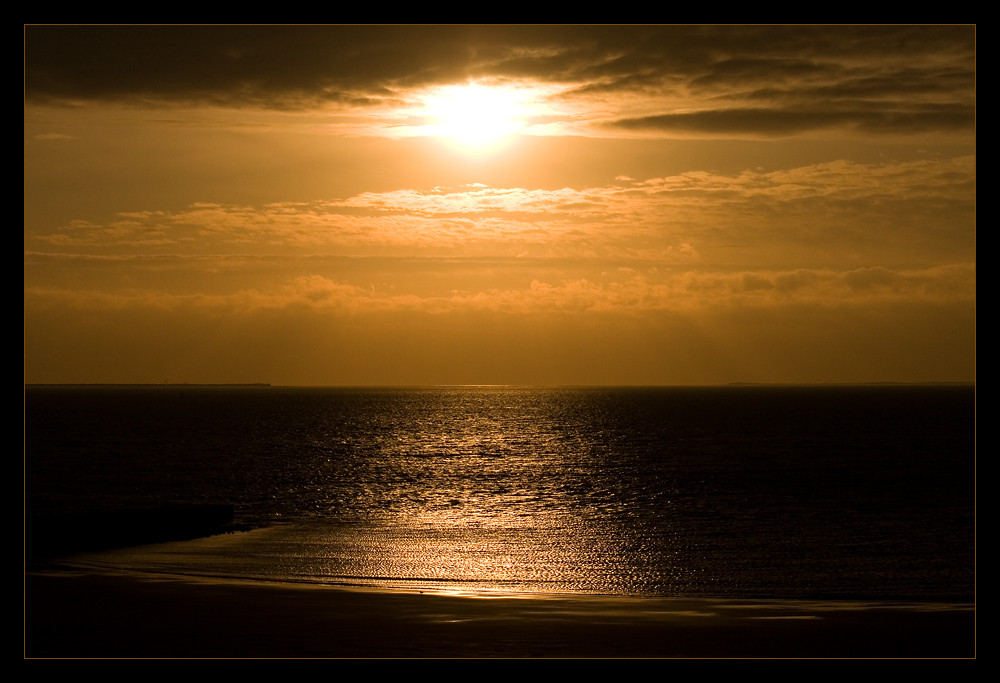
pixel 147 384
pixel 345 386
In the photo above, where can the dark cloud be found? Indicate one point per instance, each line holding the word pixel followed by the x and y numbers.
pixel 743 71
pixel 271 66
pixel 287 65
pixel 771 122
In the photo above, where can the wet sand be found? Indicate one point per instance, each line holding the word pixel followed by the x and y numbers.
pixel 78 615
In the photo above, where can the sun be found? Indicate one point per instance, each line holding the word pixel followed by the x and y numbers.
pixel 476 118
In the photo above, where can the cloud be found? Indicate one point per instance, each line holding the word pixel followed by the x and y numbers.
pixel 764 80
pixel 864 117
pixel 890 213
pixel 630 293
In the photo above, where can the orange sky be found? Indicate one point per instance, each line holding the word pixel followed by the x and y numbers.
pixel 531 205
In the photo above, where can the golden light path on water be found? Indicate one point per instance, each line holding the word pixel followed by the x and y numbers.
pixel 470 492
pixel 697 492
pixel 487 522
pixel 441 553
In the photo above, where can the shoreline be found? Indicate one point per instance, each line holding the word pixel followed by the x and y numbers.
pixel 74 614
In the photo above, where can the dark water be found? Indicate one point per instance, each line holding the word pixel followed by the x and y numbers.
pixel 784 492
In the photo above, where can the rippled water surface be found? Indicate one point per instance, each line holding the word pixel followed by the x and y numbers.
pixel 852 492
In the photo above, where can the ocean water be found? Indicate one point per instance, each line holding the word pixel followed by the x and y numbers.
pixel 825 492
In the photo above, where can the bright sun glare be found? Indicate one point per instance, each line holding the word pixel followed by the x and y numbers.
pixel 476 118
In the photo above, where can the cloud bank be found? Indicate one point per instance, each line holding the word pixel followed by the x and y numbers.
pixel 608 80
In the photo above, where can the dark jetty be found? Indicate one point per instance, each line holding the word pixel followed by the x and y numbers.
pixel 49 536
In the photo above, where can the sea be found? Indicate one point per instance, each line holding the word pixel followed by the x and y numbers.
pixel 745 491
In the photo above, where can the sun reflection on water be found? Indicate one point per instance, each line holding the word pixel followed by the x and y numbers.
pixel 484 490
pixel 698 491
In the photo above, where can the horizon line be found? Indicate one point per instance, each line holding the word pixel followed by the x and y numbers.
pixel 487 385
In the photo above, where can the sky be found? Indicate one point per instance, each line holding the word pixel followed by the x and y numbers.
pixel 417 204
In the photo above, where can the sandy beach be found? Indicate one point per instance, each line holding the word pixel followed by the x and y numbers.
pixel 78 615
